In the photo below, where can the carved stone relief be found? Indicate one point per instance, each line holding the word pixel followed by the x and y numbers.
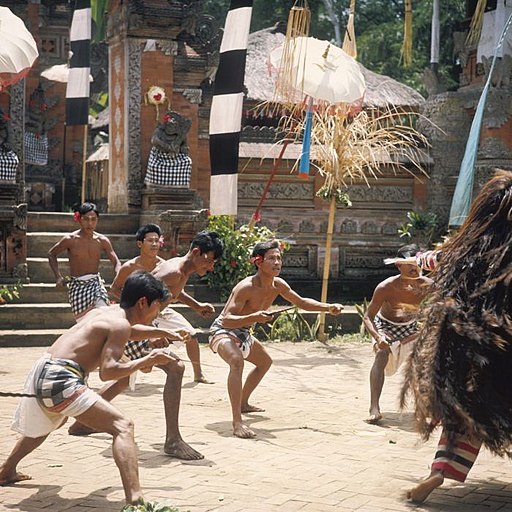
pixel 135 184
pixel 381 194
pixel 306 226
pixel 369 228
pixel 290 191
pixel 349 227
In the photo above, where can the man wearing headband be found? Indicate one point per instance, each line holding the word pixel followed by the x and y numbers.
pixel 391 321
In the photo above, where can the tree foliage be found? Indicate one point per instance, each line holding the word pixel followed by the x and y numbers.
pixel 379 32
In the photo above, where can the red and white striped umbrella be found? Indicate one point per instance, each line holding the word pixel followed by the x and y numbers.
pixel 18 49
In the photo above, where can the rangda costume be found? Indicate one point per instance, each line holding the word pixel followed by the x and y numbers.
pixel 61 390
pixel 460 372
pixel 86 292
pixel 241 336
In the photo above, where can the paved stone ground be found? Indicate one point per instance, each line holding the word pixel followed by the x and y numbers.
pixel 313 452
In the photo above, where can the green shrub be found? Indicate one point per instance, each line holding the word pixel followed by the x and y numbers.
pixel 9 292
pixel 235 263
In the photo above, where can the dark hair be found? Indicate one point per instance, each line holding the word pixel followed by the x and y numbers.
pixel 407 251
pixel 208 241
pixel 142 284
pixel 261 248
pixel 147 228
pixel 86 208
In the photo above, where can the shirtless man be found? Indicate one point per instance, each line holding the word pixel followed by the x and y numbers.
pixel 248 304
pixel 148 241
pixel 205 249
pixel 391 321
pixel 84 248
pixel 58 380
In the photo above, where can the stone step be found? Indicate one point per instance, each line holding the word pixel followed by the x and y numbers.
pixel 39 270
pixel 24 316
pixel 64 223
pixel 45 337
pixel 22 322
pixel 29 338
pixel 42 293
pixel 40 242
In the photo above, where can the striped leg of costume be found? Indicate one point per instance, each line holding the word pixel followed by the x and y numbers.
pixel 456 461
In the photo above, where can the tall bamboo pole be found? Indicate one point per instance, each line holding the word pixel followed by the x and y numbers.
pixel 327 266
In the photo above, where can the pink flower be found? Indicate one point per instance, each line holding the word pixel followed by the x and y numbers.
pixel 76 216
pixel 256 259
pixel 234 264
pixel 166 118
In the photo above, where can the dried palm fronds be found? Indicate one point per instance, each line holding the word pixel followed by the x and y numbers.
pixel 351 147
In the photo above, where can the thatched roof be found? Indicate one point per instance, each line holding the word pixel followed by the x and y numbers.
pixel 381 90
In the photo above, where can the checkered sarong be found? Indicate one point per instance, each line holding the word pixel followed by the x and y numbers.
pixel 36 149
pixel 395 331
pixel 164 169
pixel 137 349
pixel 8 165
pixel 84 293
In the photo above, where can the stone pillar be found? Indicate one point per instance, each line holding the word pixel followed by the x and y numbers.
pixel 118 104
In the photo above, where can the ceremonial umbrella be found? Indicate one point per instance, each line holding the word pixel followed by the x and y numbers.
pixel 18 49
pixel 315 72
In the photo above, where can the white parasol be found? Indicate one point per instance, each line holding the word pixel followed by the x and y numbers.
pixel 321 71
pixel 18 49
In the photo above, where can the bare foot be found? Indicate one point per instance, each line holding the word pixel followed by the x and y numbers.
pixel 251 408
pixel 79 429
pixel 13 478
pixel 373 419
pixel 421 492
pixel 243 431
pixel 203 380
pixel 181 450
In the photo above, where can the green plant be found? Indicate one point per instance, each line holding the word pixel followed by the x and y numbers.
pixel 420 226
pixel 290 326
pixel 361 310
pixel 148 506
pixel 235 263
pixel 9 292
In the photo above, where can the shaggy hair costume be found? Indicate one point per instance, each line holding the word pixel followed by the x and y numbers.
pixel 460 371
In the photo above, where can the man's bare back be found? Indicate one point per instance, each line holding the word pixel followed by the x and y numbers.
pixel 84 342
pixel 173 274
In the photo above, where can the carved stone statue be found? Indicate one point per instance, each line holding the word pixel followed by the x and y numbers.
pixel 35 136
pixel 169 163
pixel 170 136
pixel 5 143
pixel 8 159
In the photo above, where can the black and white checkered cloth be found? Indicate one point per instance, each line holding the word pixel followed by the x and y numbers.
pixel 8 165
pixel 36 149
pixel 84 293
pixel 137 349
pixel 164 169
pixel 394 331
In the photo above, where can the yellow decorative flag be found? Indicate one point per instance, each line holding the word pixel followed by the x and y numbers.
pixel 407 44
pixel 349 42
